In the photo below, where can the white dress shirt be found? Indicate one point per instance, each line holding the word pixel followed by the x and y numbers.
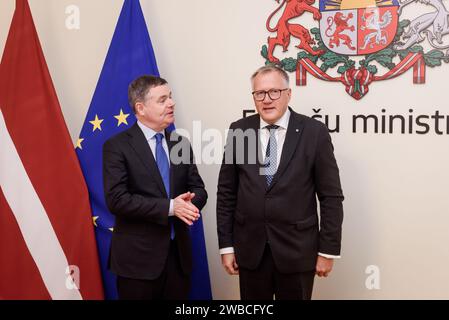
pixel 280 139
pixel 149 135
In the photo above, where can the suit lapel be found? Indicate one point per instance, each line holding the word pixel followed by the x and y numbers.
pixel 292 138
pixel 257 167
pixel 140 145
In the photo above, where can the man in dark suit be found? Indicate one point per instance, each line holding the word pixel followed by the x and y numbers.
pixel 275 165
pixel 155 194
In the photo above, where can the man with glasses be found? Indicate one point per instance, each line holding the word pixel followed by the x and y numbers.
pixel 268 227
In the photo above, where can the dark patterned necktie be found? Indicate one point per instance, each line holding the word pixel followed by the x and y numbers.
pixel 271 154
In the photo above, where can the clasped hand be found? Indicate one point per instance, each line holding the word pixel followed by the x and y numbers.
pixel 184 209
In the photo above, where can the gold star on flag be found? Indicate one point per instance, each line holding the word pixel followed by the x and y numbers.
pixel 95 220
pixel 96 123
pixel 122 118
pixel 78 144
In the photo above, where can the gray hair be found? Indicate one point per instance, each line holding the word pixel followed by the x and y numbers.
pixel 269 69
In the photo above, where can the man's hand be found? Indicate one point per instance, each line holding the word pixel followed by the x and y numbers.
pixel 184 209
pixel 229 263
pixel 323 266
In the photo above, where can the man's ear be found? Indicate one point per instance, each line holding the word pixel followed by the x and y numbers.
pixel 139 108
pixel 289 93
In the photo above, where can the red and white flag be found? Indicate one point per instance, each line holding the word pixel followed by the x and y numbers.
pixel 47 243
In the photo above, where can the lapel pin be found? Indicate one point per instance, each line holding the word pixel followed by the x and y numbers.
pixel 297 130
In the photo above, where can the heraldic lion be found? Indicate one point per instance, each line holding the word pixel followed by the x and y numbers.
pixel 284 29
pixel 341 24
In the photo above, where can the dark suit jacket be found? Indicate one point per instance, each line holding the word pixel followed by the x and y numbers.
pixel 249 214
pixel 136 195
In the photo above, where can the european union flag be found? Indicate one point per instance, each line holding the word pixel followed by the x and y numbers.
pixel 130 55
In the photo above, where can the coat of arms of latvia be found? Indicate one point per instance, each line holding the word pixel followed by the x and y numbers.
pixel 364 39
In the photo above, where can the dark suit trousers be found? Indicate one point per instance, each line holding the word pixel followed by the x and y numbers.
pixel 266 281
pixel 172 284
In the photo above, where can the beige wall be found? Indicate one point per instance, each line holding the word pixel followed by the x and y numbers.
pixel 396 207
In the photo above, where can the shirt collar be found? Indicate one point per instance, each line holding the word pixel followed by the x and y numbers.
pixel 282 122
pixel 148 132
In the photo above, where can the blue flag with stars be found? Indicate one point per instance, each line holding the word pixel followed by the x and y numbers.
pixel 130 55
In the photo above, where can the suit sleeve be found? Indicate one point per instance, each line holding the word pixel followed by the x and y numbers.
pixel 195 184
pixel 227 194
pixel 120 201
pixel 330 195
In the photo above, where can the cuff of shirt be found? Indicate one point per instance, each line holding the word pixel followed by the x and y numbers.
pixel 171 213
pixel 328 256
pixel 227 250
pixel 231 250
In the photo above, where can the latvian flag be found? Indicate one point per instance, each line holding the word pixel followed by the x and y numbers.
pixel 47 245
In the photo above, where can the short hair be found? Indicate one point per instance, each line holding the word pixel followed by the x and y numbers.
pixel 269 69
pixel 139 88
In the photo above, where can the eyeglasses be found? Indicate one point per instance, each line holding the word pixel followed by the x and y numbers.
pixel 274 94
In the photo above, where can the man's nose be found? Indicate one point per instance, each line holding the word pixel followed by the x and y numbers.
pixel 267 98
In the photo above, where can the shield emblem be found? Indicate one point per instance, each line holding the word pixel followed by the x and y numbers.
pixel 358 27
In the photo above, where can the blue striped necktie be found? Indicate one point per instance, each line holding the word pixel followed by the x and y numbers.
pixel 164 170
